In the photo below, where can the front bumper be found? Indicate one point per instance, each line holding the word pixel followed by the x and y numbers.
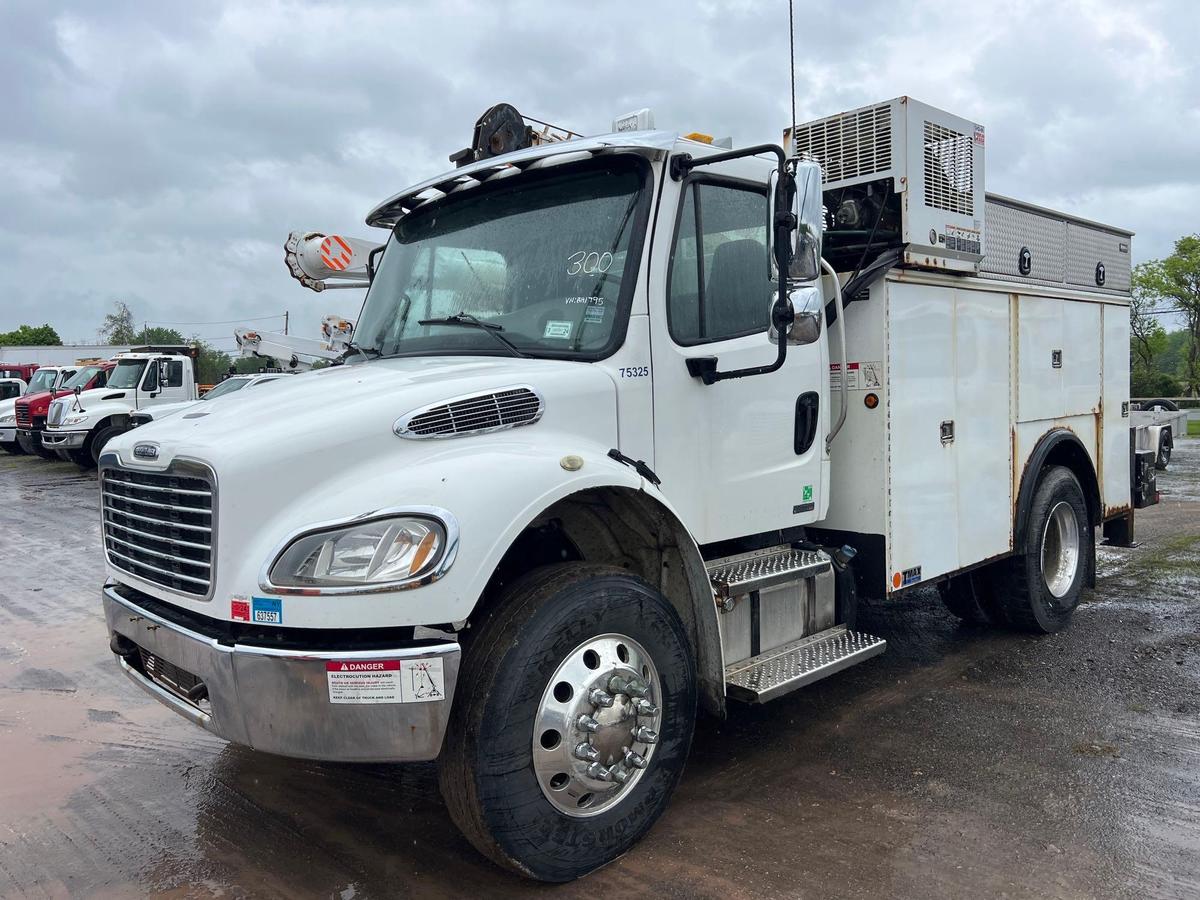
pixel 8 435
pixel 278 700
pixel 63 440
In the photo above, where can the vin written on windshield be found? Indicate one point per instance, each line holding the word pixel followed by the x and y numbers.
pixel 546 260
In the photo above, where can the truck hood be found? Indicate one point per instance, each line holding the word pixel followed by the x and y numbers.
pixel 8 407
pixel 162 410
pixel 344 415
pixel 38 403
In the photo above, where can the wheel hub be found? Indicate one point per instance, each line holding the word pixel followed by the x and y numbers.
pixel 596 728
pixel 1060 549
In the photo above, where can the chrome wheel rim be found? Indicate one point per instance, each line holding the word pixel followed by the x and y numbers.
pixel 597 725
pixel 1060 549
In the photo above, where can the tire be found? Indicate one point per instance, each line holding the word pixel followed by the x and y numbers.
pixel 33 446
pixel 1035 599
pixel 972 597
pixel 1169 405
pixel 13 447
pixel 1164 450
pixel 89 458
pixel 498 785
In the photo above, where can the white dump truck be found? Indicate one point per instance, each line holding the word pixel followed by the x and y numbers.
pixel 629 424
pixel 79 426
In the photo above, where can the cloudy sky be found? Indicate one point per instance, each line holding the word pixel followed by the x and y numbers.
pixel 160 152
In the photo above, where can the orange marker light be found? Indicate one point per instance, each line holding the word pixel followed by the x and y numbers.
pixel 896 580
pixel 871 401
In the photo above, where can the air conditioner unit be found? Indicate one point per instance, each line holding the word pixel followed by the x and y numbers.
pixel 900 173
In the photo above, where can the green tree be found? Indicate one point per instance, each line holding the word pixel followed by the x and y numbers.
pixel 30 335
pixel 212 364
pixel 1174 283
pixel 158 335
pixel 118 325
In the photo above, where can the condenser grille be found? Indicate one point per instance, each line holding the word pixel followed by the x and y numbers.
pixel 855 144
pixel 949 170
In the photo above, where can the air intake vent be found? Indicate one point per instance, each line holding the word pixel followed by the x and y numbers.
pixel 855 144
pixel 473 414
pixel 949 170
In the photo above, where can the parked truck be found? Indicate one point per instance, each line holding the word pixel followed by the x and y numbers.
pixel 32 409
pixel 629 425
pixel 78 426
pixel 41 379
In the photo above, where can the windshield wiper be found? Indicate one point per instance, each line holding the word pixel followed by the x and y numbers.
pixel 352 347
pixel 465 318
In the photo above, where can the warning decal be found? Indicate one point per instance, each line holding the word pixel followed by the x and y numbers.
pixel 860 376
pixel 385 681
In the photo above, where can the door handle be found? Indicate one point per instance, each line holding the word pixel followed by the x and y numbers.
pixel 808 406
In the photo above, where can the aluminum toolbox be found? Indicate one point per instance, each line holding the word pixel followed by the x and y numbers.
pixel 1023 242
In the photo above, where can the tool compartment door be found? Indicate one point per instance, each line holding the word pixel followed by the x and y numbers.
pixel 950 444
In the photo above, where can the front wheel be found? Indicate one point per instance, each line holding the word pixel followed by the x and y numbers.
pixel 575 711
pixel 89 457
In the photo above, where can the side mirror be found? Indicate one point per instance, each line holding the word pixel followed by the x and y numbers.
pixel 371 264
pixel 807 313
pixel 78 390
pixel 796 218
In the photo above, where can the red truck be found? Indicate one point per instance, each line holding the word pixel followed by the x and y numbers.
pixel 31 409
pixel 24 371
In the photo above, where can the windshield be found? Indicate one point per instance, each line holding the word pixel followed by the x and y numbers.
pixel 42 380
pixel 80 378
pixel 550 257
pixel 226 387
pixel 127 373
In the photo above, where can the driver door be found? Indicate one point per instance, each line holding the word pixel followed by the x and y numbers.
pixel 162 382
pixel 747 455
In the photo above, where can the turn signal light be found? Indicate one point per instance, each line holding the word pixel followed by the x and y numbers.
pixel 871 401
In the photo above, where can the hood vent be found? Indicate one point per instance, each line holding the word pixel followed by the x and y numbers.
pixel 473 414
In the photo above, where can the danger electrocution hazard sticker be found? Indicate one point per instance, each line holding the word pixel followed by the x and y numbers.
pixel 385 680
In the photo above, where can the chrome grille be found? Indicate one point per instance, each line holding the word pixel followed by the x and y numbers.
pixel 24 419
pixel 159 527
pixel 473 414
pixel 169 675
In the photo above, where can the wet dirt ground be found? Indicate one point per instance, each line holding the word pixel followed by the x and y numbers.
pixel 961 763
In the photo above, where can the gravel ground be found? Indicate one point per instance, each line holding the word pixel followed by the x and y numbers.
pixel 962 762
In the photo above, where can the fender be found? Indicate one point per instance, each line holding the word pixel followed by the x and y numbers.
pixel 1057 445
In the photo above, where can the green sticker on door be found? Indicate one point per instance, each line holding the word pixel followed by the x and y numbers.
pixel 807 493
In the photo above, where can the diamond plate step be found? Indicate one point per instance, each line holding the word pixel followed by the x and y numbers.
pixel 779 671
pixel 737 575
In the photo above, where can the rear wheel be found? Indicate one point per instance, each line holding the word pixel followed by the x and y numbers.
pixel 576 705
pixel 1164 450
pixel 1045 581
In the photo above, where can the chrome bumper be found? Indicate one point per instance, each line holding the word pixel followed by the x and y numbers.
pixel 63 440
pixel 278 701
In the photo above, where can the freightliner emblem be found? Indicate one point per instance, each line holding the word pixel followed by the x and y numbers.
pixel 145 451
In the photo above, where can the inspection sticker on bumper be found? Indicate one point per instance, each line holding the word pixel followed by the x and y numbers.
pixel 385 681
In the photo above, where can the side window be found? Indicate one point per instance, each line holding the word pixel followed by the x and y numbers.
pixel 720 283
pixel 174 373
pixel 100 379
pixel 150 379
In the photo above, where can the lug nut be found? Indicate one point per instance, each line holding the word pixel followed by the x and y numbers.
pixel 636 688
pixel 600 698
pixel 619 774
pixel 645 707
pixel 617 684
pixel 635 760
pixel 587 723
pixel 586 752
pixel 599 772
pixel 645 735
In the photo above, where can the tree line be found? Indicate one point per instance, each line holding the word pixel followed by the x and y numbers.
pixel 118 328
pixel 1166 363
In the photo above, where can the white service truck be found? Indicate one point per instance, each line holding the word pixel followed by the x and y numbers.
pixel 630 423
pixel 79 426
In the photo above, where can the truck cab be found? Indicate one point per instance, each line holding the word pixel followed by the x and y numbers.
pixel 616 441
pixel 80 424
pixel 32 409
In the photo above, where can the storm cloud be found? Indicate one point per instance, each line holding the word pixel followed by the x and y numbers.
pixel 159 153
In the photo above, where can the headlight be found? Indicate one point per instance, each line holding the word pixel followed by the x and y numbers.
pixel 8 420
pixel 380 553
pixel 74 420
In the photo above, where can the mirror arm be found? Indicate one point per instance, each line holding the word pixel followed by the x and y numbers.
pixel 782 314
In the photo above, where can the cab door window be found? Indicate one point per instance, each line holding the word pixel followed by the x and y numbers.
pixel 719 283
